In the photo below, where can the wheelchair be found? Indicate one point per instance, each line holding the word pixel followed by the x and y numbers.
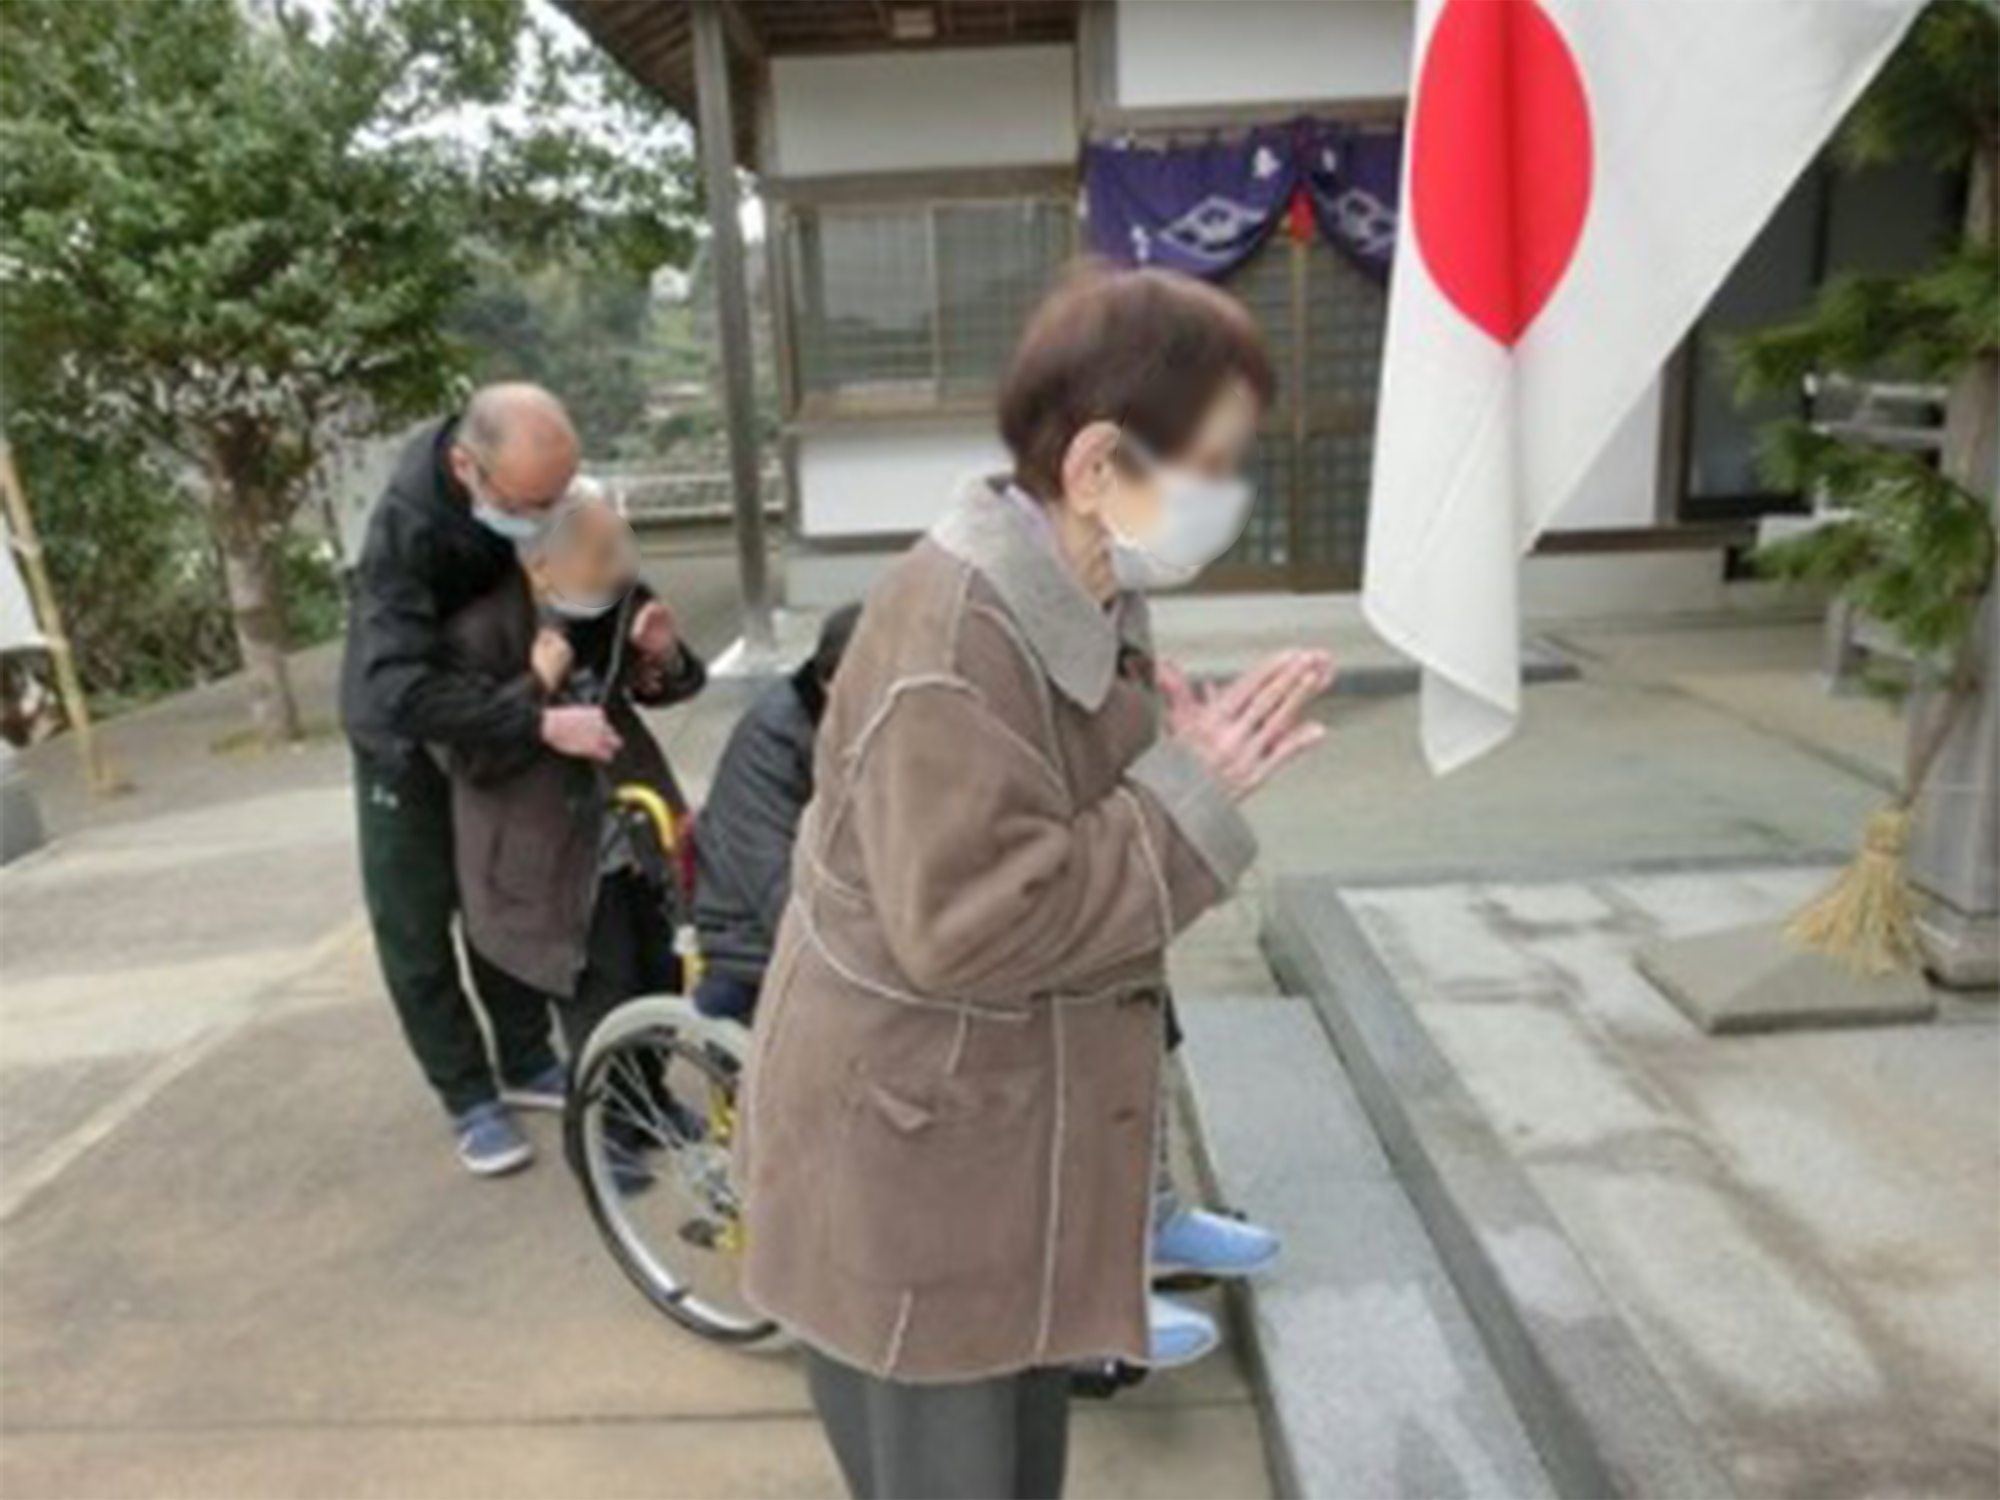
pixel 651 1118
pixel 651 1121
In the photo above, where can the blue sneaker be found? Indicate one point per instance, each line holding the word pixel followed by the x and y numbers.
pixel 489 1142
pixel 548 1089
pixel 1178 1334
pixel 1197 1243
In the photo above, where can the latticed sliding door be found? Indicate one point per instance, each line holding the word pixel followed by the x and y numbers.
pixel 1323 322
pixel 1345 312
pixel 1262 559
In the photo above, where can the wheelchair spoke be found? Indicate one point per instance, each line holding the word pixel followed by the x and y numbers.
pixel 653 1151
pixel 635 1104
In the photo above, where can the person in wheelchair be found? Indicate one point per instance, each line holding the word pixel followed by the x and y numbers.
pixel 561 887
pixel 743 848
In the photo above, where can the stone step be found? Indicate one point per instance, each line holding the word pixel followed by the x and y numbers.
pixel 1600 1415
pixel 1374 1378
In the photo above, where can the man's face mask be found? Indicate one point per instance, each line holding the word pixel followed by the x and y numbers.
pixel 1197 518
pixel 515 528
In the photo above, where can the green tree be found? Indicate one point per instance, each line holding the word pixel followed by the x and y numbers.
pixel 1914 543
pixel 575 325
pixel 233 232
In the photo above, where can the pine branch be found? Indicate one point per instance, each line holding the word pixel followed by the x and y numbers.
pixel 1907 545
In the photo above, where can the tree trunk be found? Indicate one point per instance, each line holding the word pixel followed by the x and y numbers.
pixel 252 569
pixel 1954 856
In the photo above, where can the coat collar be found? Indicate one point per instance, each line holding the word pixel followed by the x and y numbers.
pixel 1075 639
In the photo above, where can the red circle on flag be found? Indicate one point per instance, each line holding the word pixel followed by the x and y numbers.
pixel 1501 161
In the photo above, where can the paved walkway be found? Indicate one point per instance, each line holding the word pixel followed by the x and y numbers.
pixel 239 1257
pixel 1800 1229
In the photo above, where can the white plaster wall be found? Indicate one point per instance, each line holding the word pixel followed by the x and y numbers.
pixel 1628 585
pixel 1192 53
pixel 910 111
pixel 1622 487
pixel 867 481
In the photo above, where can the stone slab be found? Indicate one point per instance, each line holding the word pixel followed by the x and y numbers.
pixel 1961 950
pixel 1601 1419
pixel 1796 1228
pixel 1750 978
pixel 1375 1380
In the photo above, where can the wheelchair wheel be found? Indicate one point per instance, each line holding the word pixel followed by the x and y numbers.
pixel 648 1130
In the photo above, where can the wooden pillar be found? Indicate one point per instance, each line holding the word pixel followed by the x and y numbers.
pixel 716 140
pixel 1955 839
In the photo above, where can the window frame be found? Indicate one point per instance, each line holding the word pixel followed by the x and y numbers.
pixel 928 193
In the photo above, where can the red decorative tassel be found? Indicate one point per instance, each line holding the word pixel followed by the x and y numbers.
pixel 1299 217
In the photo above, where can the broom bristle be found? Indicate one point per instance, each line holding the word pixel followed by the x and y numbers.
pixel 1867 918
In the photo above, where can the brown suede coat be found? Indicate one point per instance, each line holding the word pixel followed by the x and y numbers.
pixel 954 1091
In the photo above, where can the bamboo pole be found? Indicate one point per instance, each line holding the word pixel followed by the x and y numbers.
pixel 98 775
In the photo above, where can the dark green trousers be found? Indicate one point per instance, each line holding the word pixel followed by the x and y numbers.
pixel 411 887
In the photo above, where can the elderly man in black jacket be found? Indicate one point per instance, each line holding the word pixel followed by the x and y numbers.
pixel 464 494
pixel 744 837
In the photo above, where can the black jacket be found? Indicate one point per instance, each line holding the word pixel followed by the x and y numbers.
pixel 746 830
pixel 426 559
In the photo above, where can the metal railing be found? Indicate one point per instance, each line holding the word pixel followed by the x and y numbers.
pixel 667 496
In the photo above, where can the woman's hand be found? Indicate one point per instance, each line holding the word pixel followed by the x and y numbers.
pixel 1245 731
pixel 582 733
pixel 655 632
pixel 550 660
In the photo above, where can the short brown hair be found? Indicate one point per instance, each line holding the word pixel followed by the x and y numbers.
pixel 1150 350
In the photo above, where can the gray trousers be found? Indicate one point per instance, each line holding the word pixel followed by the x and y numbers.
pixel 1005 1438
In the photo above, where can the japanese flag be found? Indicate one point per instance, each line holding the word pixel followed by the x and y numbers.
pixel 1580 176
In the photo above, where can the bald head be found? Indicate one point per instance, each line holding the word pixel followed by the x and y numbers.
pixel 515 449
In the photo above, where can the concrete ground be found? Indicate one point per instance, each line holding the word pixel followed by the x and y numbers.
pixel 1799 1228
pixel 1703 738
pixel 239 1260
pixel 238 1257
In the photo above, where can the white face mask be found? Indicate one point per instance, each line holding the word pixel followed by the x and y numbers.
pixel 1200 518
pixel 506 523
pixel 566 608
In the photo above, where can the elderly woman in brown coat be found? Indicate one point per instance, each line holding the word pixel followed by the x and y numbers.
pixel 954 1096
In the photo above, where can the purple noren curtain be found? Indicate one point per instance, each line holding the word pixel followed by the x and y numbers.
pixel 1202 209
pixel 1354 177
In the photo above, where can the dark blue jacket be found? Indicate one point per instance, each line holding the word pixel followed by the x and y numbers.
pixel 745 832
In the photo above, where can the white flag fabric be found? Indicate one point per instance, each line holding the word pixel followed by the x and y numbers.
pixel 17 616
pixel 1580 176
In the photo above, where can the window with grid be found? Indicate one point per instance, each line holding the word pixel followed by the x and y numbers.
pixel 917 304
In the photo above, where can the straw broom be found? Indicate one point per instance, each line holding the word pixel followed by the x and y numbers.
pixel 1867 919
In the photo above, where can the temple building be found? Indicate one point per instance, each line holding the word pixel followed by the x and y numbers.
pixel 927 168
